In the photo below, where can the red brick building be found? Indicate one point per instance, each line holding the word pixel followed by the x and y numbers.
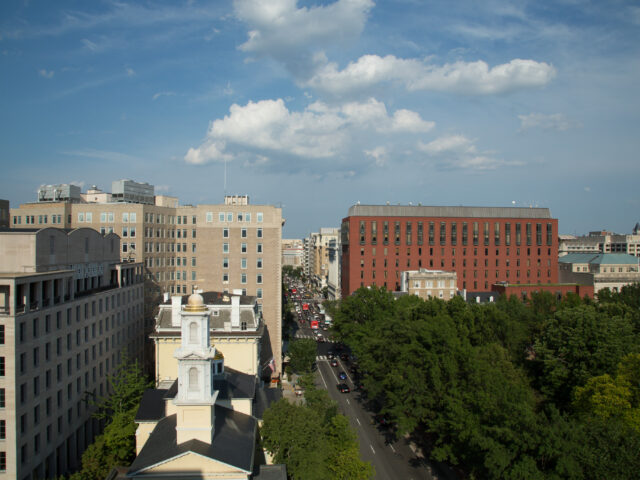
pixel 483 245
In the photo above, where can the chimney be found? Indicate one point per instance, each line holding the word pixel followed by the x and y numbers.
pixel 176 304
pixel 235 311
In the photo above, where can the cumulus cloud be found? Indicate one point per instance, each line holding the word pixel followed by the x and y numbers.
pixel 554 121
pixel 474 78
pixel 460 152
pixel 46 73
pixel 282 30
pixel 320 131
pixel 379 155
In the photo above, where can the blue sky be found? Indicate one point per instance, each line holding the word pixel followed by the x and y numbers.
pixel 315 106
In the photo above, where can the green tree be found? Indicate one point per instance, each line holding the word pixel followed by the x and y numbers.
pixel 302 354
pixel 116 445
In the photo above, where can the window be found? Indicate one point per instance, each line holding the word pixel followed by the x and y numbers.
pixel 125 217
pixel 243 278
pixel 221 217
pixel 88 217
pixel 225 262
pixel 2 398
pixel 3 461
pixel 225 277
pixel 243 263
pixel 259 293
pixel 2 367
pixel 259 233
pixel 240 216
pixel 247 217
pixel 193 261
pixel 259 248
pixel 209 217
pixel 80 217
pixel 259 263
pixel 229 216
pixel 243 248
pixel 1 334
pixel 259 278
pixel 259 217
pixel 225 248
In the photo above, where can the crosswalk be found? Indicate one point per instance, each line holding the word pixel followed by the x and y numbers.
pixel 302 335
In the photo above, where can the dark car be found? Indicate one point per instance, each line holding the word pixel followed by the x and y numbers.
pixel 344 356
pixel 343 388
pixel 334 362
pixel 342 376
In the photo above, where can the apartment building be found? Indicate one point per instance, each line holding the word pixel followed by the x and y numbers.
pixel 292 252
pixel 69 307
pixel 217 247
pixel 427 284
pixel 483 245
pixel 602 242
pixel 322 247
pixel 601 270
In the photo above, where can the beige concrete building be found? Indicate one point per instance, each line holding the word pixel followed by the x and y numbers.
pixel 601 242
pixel 604 270
pixel 68 308
pixel 217 247
pixel 293 252
pixel 429 283
pixel 322 253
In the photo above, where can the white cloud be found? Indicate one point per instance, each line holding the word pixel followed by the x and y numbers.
pixel 474 78
pixel 103 155
pixel 130 72
pixel 379 155
pixel 46 73
pixel 554 121
pixel 460 152
pixel 162 94
pixel 280 29
pixel 320 131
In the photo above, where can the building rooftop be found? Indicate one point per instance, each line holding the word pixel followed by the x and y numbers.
pixel 233 442
pixel 600 258
pixel 442 211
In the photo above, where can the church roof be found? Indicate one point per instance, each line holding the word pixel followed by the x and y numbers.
pixel 233 442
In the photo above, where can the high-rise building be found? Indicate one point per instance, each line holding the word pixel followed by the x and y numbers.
pixel 217 247
pixel 69 307
pixel 483 245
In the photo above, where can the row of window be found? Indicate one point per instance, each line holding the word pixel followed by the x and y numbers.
pixel 507 262
pixel 243 248
pixel 42 219
pixel 243 278
pixel 447 233
pixel 228 217
pixel 183 289
pixel 243 233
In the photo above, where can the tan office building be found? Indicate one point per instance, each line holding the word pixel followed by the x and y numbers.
pixel 68 308
pixel 217 247
pixel 429 283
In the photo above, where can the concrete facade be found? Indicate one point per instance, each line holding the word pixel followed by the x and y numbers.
pixel 429 283
pixel 602 242
pixel 604 270
pixel 182 248
pixel 68 309
pixel 293 252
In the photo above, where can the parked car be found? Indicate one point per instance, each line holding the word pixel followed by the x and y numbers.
pixel 334 362
pixel 343 388
pixel 342 376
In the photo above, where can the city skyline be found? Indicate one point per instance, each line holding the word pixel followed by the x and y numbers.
pixel 315 106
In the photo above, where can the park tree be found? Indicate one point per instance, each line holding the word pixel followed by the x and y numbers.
pixel 302 354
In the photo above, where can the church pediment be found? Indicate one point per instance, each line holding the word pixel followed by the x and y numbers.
pixel 192 463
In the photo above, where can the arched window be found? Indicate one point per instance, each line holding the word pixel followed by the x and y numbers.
pixel 193 379
pixel 193 333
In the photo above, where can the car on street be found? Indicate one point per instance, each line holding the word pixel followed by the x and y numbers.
pixel 342 376
pixel 343 388
pixel 331 354
pixel 334 362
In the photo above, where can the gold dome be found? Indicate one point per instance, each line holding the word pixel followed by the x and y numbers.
pixel 195 303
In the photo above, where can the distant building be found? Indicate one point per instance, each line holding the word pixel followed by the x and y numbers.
pixel 427 284
pixel 602 242
pixel 293 252
pixel 523 291
pixel 68 308
pixel 321 247
pixel 603 270
pixel 483 245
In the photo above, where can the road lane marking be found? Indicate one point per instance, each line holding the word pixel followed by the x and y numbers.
pixel 391 446
pixel 322 377
pixel 358 420
pixel 348 402
pixel 371 447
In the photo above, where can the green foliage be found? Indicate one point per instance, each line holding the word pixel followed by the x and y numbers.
pixel 313 440
pixel 291 271
pixel 576 344
pixel 116 445
pixel 492 384
pixel 302 354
